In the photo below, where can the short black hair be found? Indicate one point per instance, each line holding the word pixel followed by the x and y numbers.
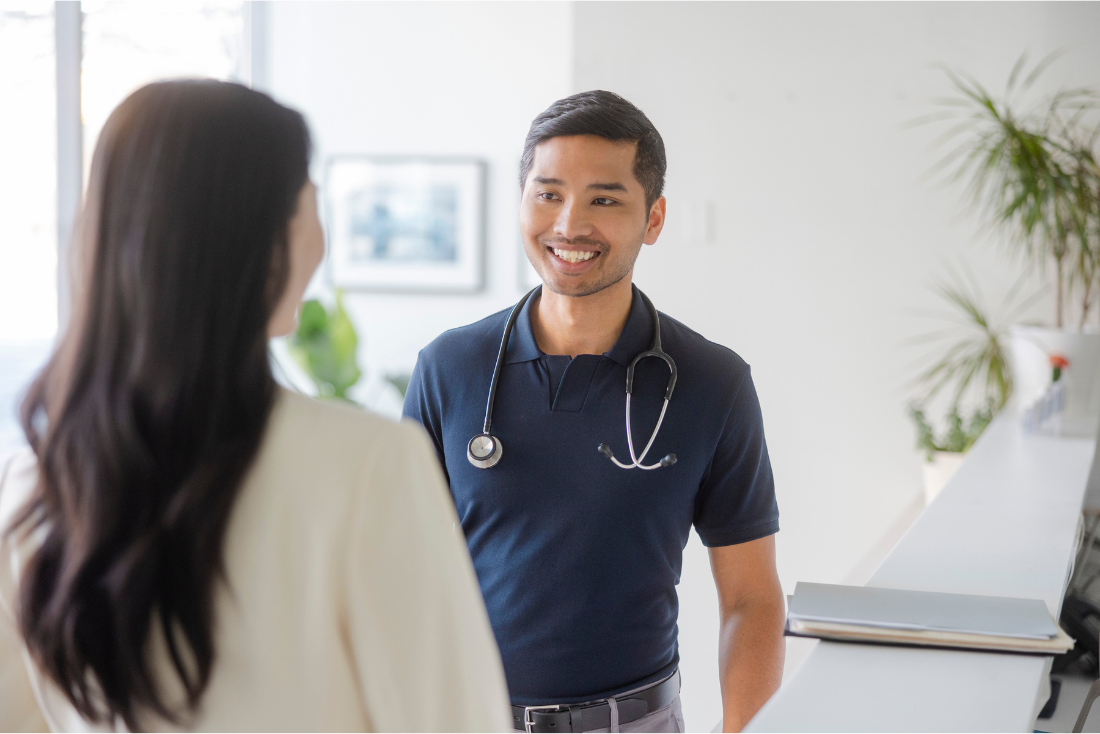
pixel 609 116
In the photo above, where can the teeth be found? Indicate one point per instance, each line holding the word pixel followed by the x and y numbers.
pixel 574 256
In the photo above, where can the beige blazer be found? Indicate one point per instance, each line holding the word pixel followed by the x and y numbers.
pixel 351 601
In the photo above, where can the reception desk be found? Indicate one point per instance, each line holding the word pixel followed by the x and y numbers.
pixel 1007 524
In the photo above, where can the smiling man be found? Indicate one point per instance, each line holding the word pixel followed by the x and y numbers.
pixel 576 531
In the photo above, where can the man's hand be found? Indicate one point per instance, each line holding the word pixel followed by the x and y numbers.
pixel 750 652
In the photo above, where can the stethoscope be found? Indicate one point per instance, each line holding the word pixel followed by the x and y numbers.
pixel 485 450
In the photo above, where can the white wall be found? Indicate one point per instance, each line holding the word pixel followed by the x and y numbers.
pixel 453 79
pixel 788 119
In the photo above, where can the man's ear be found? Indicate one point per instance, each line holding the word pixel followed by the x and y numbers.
pixel 656 221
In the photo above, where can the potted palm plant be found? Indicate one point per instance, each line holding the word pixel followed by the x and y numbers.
pixel 1032 173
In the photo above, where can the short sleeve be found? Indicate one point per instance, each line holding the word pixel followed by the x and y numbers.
pixel 419 633
pixel 736 498
pixel 422 405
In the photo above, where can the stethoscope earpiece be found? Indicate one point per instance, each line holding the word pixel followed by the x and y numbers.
pixel 606 451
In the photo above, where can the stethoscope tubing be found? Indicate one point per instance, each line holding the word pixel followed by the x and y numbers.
pixel 494 382
pixel 489 453
pixel 637 461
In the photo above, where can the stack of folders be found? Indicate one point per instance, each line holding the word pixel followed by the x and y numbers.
pixel 925 619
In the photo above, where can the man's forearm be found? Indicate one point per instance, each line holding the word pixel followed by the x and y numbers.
pixel 750 658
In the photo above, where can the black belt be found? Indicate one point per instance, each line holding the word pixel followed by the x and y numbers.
pixel 593 715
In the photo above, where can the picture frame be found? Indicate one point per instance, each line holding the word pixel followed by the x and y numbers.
pixel 406 223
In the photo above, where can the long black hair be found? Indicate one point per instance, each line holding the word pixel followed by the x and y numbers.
pixel 153 406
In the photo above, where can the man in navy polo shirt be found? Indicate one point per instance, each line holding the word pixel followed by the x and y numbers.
pixel 578 558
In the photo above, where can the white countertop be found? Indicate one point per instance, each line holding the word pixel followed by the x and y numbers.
pixel 1005 525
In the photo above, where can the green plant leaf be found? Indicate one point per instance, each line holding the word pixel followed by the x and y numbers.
pixel 325 346
pixel 312 320
pixel 973 352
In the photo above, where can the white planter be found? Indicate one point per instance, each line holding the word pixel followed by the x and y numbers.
pixel 938 471
pixel 1030 350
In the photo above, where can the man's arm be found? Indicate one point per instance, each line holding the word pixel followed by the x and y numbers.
pixel 750 641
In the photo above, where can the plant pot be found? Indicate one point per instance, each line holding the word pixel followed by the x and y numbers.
pixel 937 471
pixel 1031 348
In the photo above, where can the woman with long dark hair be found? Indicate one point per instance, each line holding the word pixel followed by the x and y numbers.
pixel 186 544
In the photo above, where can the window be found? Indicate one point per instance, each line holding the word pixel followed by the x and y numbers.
pixel 28 201
pixel 28 157
pixel 128 45
pixel 122 46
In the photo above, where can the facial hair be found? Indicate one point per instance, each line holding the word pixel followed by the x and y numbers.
pixel 607 277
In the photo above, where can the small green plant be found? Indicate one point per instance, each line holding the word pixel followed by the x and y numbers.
pixel 974 364
pixel 974 342
pixel 960 434
pixel 325 345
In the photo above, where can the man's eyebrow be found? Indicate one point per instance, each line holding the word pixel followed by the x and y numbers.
pixel 612 186
pixel 616 186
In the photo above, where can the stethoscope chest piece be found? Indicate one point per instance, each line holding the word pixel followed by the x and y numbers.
pixel 484 450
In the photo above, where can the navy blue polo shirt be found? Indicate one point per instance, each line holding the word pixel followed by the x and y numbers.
pixel 578 560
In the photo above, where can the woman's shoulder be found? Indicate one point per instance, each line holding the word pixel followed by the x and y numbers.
pixel 339 471
pixel 327 414
pixel 325 438
pixel 18 476
pixel 334 424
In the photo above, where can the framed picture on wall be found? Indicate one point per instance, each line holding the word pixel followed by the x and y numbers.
pixel 406 223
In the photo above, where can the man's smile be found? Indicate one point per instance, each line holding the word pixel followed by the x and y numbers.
pixel 570 259
pixel 573 256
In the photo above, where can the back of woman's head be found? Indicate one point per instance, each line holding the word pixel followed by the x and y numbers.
pixel 150 411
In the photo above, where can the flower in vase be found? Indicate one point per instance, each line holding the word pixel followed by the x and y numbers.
pixel 1057 364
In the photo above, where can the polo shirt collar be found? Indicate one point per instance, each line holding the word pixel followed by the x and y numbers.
pixel 636 336
pixel 522 346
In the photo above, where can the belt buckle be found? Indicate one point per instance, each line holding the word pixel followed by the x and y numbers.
pixel 528 722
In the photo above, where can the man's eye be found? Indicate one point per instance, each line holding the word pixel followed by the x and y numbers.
pixel 603 201
pixel 547 196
